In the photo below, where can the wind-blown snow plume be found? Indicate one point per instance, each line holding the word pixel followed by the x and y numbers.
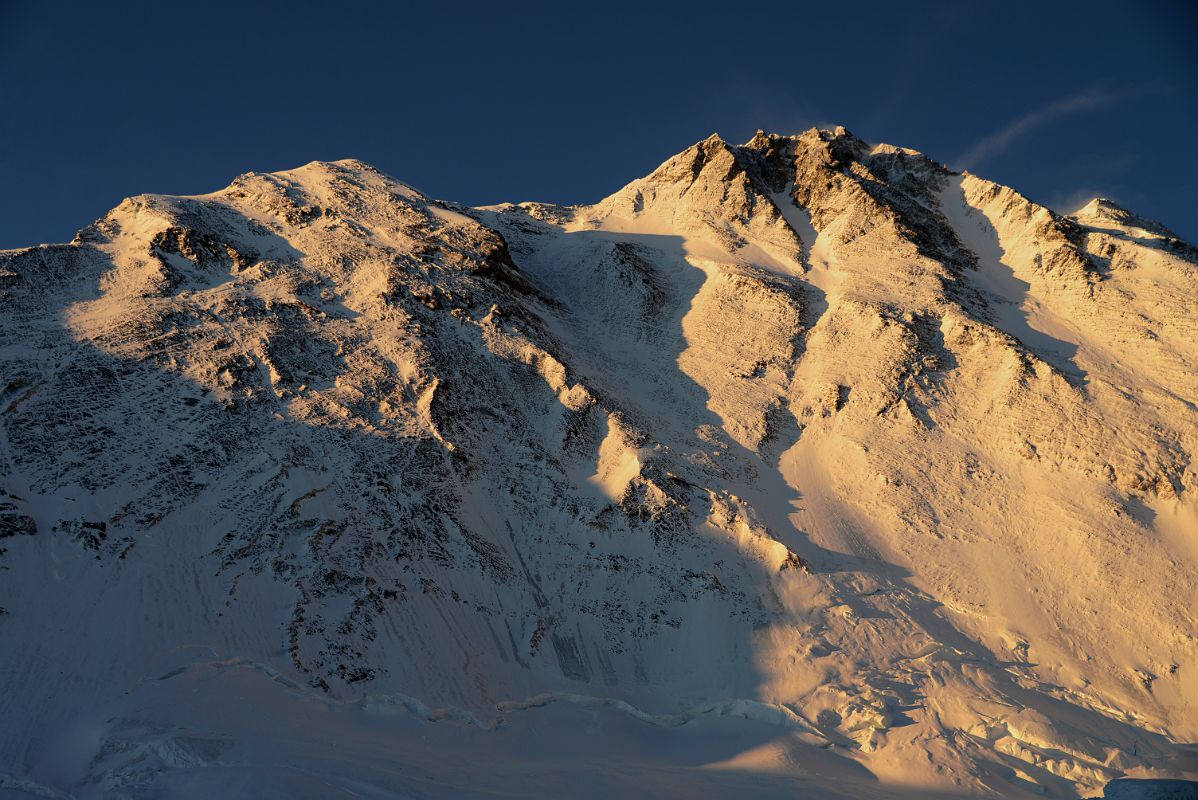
pixel 1092 98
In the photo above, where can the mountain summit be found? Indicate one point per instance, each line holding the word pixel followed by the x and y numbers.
pixel 798 466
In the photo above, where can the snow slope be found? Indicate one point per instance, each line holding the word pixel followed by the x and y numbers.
pixel 801 467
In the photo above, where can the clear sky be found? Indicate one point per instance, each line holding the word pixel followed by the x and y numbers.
pixel 565 102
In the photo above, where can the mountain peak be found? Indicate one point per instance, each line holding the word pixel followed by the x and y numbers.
pixel 784 440
pixel 1102 210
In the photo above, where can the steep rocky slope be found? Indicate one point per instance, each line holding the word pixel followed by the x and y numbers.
pixel 888 463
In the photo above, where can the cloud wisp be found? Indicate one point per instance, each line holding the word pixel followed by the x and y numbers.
pixel 990 146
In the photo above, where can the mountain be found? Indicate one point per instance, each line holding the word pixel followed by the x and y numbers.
pixel 803 467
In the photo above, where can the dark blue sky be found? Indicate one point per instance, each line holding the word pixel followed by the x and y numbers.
pixel 562 102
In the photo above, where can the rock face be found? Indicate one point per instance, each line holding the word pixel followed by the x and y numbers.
pixel 804 430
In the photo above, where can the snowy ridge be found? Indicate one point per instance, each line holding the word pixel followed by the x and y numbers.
pixel 898 458
pixel 748 709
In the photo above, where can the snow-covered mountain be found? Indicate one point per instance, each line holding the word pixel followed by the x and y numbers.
pixel 803 467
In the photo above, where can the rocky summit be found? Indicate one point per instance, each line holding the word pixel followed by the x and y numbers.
pixel 802 468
